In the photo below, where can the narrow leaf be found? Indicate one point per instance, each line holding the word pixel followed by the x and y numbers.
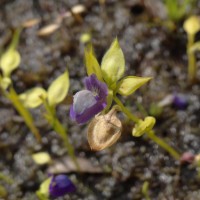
pixel 113 64
pixel 58 89
pixel 91 63
pixel 130 84
pixel 33 97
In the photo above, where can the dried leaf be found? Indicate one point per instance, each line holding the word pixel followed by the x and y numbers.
pixel 31 22
pixel 78 9
pixel 66 165
pixel 49 29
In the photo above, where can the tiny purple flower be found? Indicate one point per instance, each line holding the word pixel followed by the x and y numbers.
pixel 87 103
pixel 60 185
pixel 180 101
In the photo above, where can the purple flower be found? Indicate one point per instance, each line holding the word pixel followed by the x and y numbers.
pixel 180 101
pixel 60 185
pixel 87 103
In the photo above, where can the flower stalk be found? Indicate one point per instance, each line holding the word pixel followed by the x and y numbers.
pixel 150 133
pixel 13 97
pixel 58 127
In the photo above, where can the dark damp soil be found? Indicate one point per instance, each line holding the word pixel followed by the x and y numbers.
pixel 151 49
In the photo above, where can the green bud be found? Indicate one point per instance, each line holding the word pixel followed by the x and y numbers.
pixel 192 25
pixel 130 84
pixel 143 126
pixel 58 89
pixel 113 64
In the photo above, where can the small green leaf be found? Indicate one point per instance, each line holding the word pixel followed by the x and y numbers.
pixel 92 65
pixel 33 97
pixel 43 192
pixel 143 126
pixel 58 89
pixel 194 47
pixel 5 82
pixel 41 158
pixel 10 60
pixel 192 25
pixel 130 84
pixel 113 64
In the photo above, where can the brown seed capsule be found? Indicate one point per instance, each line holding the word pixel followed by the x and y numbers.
pixel 104 130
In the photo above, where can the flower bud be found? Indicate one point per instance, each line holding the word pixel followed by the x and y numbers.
pixel 104 130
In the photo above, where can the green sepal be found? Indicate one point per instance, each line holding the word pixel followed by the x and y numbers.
pixel 33 97
pixel 143 126
pixel 130 84
pixel 113 64
pixel 91 63
pixel 58 89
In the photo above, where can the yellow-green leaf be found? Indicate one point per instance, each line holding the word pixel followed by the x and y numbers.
pixel 91 63
pixel 130 84
pixel 143 126
pixel 194 47
pixel 58 89
pixel 33 97
pixel 113 64
pixel 43 192
pixel 192 25
pixel 10 60
pixel 41 158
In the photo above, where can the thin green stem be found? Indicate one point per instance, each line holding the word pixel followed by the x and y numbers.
pixel 58 127
pixel 13 97
pixel 191 60
pixel 150 133
pixel 163 144
pixel 125 110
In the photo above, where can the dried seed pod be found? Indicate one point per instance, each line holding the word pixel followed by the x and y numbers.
pixel 104 130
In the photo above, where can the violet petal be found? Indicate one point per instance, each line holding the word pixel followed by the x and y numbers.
pixel 60 185
pixel 90 112
pixel 180 101
pixel 97 87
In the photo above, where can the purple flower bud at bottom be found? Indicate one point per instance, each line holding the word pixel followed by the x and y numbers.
pixel 60 185
pixel 180 101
